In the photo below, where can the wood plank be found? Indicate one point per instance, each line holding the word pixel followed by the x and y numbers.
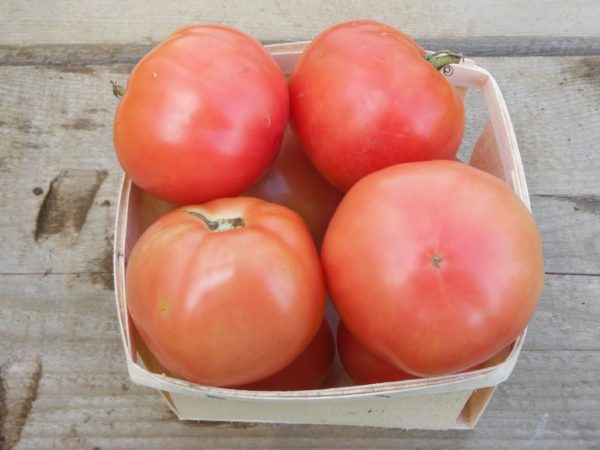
pixel 74 331
pixel 85 399
pixel 561 161
pixel 59 179
pixel 75 55
pixel 570 231
pixel 567 315
pixel 62 132
pixel 538 407
pixel 78 313
pixel 55 275
pixel 555 119
pixel 90 22
pixel 81 315
pixel 570 228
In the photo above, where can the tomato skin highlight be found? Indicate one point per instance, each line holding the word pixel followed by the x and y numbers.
pixel 202 116
pixel 433 266
pixel 229 307
pixel 307 371
pixel 293 181
pixel 362 97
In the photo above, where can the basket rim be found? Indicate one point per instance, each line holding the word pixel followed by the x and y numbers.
pixel 464 74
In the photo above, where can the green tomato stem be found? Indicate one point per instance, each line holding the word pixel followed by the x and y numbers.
pixel 219 224
pixel 442 58
pixel 117 89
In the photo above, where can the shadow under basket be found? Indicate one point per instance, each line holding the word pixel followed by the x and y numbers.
pixel 448 402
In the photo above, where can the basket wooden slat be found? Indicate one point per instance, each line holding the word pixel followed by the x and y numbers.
pixel 454 401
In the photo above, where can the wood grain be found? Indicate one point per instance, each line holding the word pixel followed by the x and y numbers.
pixel 553 103
pixel 77 55
pixel 570 227
pixel 85 396
pixel 557 135
pixel 522 414
pixel 59 178
pixel 82 315
pixel 90 22
pixel 19 380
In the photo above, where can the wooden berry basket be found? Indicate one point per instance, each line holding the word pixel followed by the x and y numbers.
pixel 454 401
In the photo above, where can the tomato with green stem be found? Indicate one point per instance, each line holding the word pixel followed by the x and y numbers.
pixel 364 96
pixel 228 292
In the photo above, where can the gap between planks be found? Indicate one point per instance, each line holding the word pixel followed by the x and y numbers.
pixel 104 54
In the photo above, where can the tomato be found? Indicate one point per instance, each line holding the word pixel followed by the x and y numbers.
pixel 307 371
pixel 291 181
pixel 141 350
pixel 202 116
pixel 228 292
pixel 363 97
pixel 294 182
pixel 363 366
pixel 434 266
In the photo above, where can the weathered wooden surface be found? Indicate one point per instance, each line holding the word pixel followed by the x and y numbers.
pixel 532 27
pixel 63 382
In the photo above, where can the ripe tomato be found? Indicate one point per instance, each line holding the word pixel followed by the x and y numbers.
pixel 362 97
pixel 203 115
pixel 291 181
pixel 363 366
pixel 434 266
pixel 294 182
pixel 308 371
pixel 228 292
